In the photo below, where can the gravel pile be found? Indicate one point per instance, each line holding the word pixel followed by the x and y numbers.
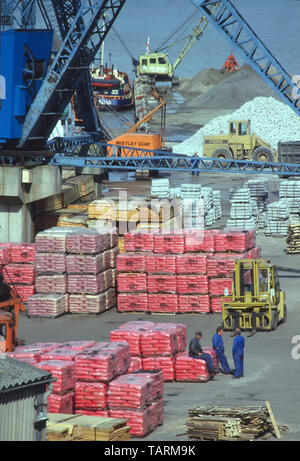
pixel 271 120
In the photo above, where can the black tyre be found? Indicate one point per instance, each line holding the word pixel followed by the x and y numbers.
pixel 263 154
pixel 274 319
pixel 223 152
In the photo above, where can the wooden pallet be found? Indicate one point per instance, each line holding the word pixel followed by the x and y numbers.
pixel 61 427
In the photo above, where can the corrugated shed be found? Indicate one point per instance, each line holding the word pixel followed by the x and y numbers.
pixel 23 401
pixel 14 373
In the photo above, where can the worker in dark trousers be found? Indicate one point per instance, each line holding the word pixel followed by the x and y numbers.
pixel 238 353
pixel 195 163
pixel 218 347
pixel 196 352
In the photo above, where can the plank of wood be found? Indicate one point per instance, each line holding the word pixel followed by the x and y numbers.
pixel 273 420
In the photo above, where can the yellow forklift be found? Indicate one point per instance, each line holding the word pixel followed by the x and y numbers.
pixel 257 302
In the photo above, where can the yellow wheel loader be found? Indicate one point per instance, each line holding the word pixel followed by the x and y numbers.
pixel 257 302
pixel 239 144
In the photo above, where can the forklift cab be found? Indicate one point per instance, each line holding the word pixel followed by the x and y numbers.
pixel 257 301
pixel 239 128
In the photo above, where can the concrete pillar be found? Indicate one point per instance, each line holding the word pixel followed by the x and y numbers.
pixel 20 187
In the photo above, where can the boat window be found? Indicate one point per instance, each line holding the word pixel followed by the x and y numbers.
pixel 153 61
pixel 242 129
pixel 144 62
pixel 161 61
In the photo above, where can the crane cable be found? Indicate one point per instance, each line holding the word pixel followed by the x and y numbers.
pixel 184 24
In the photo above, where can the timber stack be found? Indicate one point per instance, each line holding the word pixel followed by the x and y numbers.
pixel 228 423
pixel 293 239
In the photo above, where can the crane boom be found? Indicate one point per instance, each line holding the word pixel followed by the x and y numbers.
pixel 231 24
pixel 195 35
pixel 66 72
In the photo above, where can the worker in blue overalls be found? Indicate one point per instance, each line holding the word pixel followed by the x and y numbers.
pixel 218 347
pixel 238 353
pixel 195 163
pixel 196 352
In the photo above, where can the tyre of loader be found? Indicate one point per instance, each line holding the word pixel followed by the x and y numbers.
pixel 263 154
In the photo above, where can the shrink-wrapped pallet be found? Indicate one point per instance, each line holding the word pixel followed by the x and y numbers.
pixel 64 373
pixel 131 262
pixel 96 364
pixel 141 422
pixel 191 264
pixel 161 283
pixel 46 263
pixel 90 396
pixel 169 242
pixel 87 241
pixel 131 332
pixel 90 284
pixel 130 392
pixel 164 363
pixel 159 342
pixel 86 264
pixel 52 240
pixel 23 253
pixel 24 291
pixel 56 283
pixel 61 353
pixel 160 263
pixel 132 282
pixel 61 403
pixel 157 382
pixel 121 350
pixel 160 302
pixel 191 284
pixel 136 302
pixel 218 286
pixel 194 303
pixel 47 305
pixel 23 274
pixel 139 241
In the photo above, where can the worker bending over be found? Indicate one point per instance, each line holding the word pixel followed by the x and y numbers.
pixel 196 352
pixel 218 347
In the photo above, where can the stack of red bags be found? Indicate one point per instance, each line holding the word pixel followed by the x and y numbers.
pixel 87 264
pixel 161 302
pixel 131 332
pixel 130 392
pixel 192 284
pixel 200 241
pixel 33 351
pixel 160 263
pixel 169 242
pixel 139 241
pixel 57 283
pixel 237 241
pixel 127 262
pixel 191 264
pixel 61 400
pixel 19 272
pixel 122 352
pixel 92 304
pixel 217 289
pixel 87 241
pixel 91 398
pixel 132 282
pixel 23 253
pixel 161 283
pixel 132 302
pixel 159 342
pixel 90 284
pixel 189 369
pixel 47 305
pixel 96 364
pixel 194 303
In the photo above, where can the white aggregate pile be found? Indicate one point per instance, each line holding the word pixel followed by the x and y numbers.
pixel 271 120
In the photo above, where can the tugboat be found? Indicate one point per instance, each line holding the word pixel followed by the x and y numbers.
pixel 111 88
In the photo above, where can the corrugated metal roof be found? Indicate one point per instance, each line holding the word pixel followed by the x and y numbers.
pixel 14 374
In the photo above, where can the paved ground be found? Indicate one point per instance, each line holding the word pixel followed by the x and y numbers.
pixel 270 371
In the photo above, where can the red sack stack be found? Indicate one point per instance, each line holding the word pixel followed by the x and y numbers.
pixel 87 241
pixel 189 369
pixel 139 241
pixel 169 242
pixel 87 264
pixel 52 240
pixel 219 285
pixel 163 303
pixel 92 304
pixel 132 302
pixel 19 274
pixel 132 282
pixel 96 364
pixel 200 241
pixel 47 305
pixel 159 342
pixel 216 304
pixel 61 403
pixel 191 264
pixel 127 262
pixel 91 396
pixel 141 422
pixel 213 355
pixel 130 392
pixel 57 283
pixel 46 263
pixel 122 352
pixel 158 409
pixel 131 332
pixel 160 263
pixel 194 303
pixel 238 241
pixel 61 353
pixel 164 363
pixel 157 382
pixel 33 351
pixel 64 373
pixel 254 253
pixel 191 284
pixel 78 345
pixel 23 253
pixel 181 333
pixel 90 284
pixel 162 283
